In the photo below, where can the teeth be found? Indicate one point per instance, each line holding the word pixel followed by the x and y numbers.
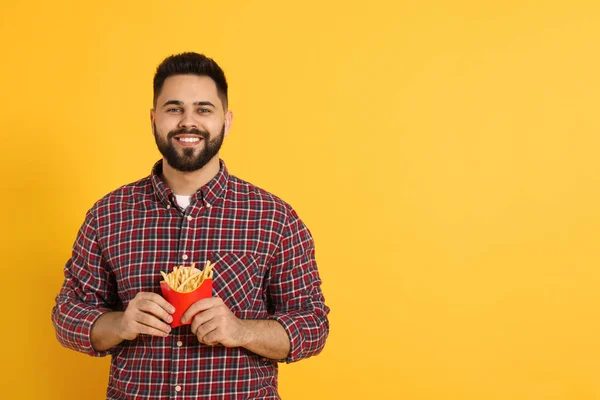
pixel 189 140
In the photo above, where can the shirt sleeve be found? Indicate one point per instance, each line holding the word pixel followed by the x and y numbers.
pixel 87 292
pixel 294 290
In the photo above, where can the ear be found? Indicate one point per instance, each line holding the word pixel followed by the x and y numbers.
pixel 152 115
pixel 228 121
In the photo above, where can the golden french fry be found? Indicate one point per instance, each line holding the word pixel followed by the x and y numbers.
pixel 187 279
pixel 184 283
pixel 205 270
pixel 209 270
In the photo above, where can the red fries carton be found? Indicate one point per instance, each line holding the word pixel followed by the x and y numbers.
pixel 182 301
pixel 184 286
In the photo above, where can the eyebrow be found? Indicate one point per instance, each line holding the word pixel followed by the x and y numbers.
pixel 196 103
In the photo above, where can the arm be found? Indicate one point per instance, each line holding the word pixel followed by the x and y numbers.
pixel 294 292
pixel 266 338
pixel 88 291
pixel 104 334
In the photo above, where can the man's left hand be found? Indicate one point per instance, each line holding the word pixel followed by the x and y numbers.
pixel 214 323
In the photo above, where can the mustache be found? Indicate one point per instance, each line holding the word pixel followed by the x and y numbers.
pixel 184 131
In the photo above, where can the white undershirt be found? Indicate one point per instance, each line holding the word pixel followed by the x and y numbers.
pixel 183 201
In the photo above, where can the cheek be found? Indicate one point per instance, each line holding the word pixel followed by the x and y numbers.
pixel 164 126
pixel 215 126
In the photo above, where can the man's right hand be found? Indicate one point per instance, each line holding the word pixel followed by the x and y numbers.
pixel 147 313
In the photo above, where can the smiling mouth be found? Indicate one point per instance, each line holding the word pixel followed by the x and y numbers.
pixel 189 139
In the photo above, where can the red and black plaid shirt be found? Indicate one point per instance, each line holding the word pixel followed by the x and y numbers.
pixel 265 269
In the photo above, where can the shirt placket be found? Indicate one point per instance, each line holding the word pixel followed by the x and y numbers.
pixel 176 388
pixel 184 257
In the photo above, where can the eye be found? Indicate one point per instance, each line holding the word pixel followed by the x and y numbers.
pixel 203 110
pixel 173 110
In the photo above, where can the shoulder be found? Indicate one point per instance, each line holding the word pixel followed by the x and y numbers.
pixel 131 195
pixel 256 197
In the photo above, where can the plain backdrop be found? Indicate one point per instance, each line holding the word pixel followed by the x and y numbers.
pixel 444 154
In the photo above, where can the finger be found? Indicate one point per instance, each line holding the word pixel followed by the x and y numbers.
pixel 151 321
pixel 212 338
pixel 158 299
pixel 198 321
pixel 199 306
pixel 148 330
pixel 203 317
pixel 150 307
pixel 204 330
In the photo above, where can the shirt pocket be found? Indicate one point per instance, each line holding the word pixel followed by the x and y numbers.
pixel 236 281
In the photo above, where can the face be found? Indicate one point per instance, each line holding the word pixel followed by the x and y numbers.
pixel 189 122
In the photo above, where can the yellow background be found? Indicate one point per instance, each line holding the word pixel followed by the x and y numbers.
pixel 444 155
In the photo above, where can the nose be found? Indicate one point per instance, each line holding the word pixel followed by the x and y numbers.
pixel 188 121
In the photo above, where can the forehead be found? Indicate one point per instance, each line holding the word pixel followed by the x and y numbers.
pixel 188 89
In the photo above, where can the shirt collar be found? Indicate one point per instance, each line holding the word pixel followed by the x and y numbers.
pixel 208 193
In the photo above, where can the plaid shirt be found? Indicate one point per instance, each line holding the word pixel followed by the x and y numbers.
pixel 265 269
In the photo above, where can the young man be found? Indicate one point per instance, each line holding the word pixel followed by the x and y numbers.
pixel 267 305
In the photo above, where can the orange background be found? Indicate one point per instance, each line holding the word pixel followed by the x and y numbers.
pixel 444 155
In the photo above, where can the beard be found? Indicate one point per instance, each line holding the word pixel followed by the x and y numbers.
pixel 187 161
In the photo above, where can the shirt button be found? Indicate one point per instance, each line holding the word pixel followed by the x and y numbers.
pixel 178 388
pixel 189 218
pixel 179 343
pixel 208 205
pixel 168 206
pixel 185 257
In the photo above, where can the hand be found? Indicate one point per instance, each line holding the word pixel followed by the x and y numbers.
pixel 214 323
pixel 145 315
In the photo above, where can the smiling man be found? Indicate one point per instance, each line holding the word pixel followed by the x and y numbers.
pixel 267 305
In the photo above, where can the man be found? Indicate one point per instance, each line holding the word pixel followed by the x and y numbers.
pixel 267 305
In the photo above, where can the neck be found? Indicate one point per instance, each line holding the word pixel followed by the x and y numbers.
pixel 188 183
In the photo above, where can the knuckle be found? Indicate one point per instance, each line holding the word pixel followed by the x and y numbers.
pixel 142 302
pixel 141 319
pixel 147 319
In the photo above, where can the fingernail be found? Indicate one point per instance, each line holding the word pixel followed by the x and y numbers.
pixel 169 318
pixel 183 320
pixel 172 310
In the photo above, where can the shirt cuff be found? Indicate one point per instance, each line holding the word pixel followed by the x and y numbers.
pixel 290 325
pixel 84 337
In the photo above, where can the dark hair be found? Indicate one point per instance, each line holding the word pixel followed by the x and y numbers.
pixel 190 64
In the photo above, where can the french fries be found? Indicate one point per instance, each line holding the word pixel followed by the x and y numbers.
pixel 187 279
